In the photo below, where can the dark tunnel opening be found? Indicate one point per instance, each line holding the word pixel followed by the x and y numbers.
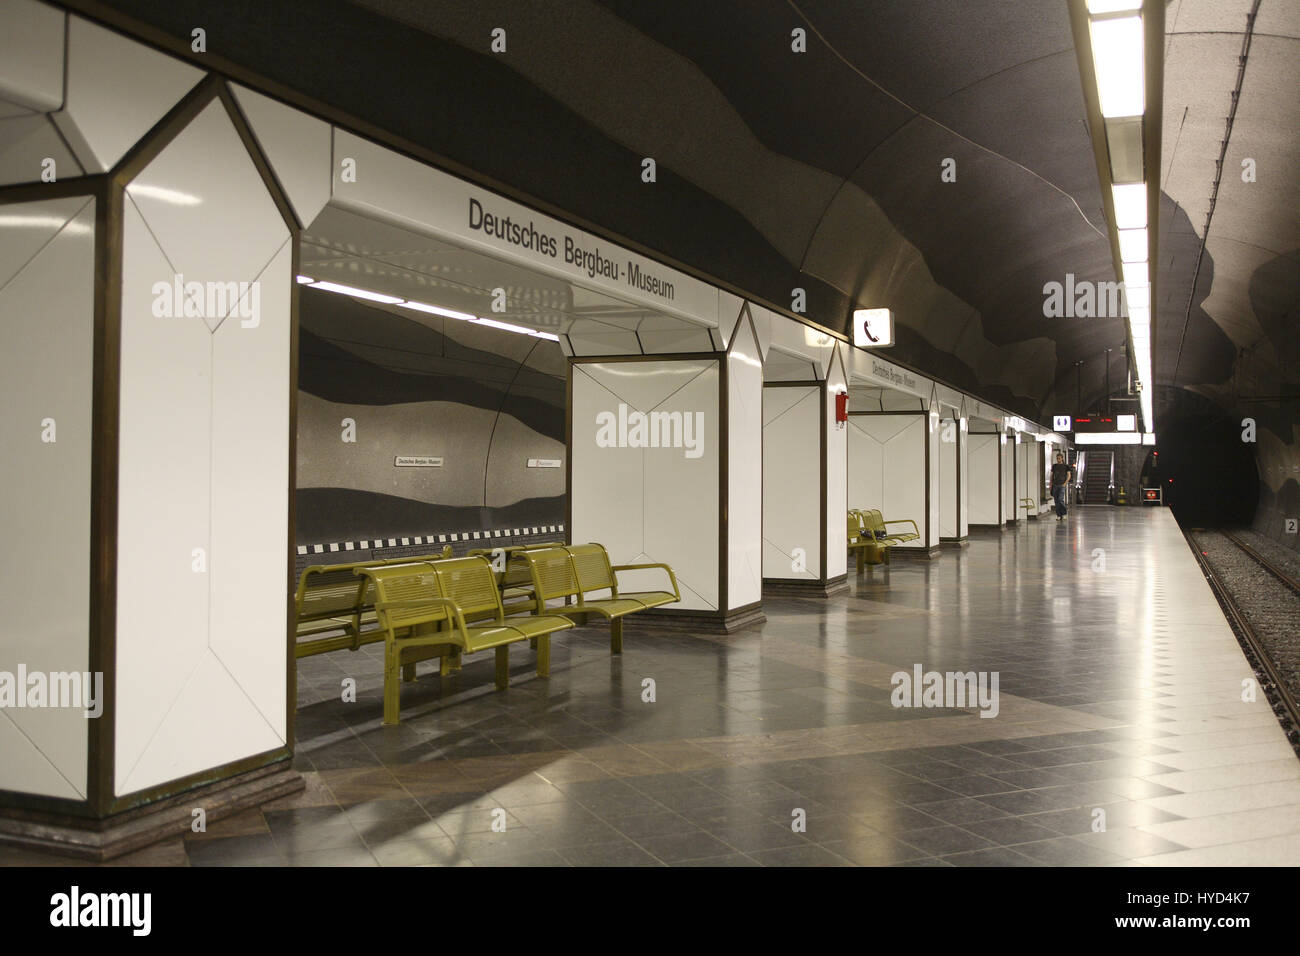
pixel 1207 472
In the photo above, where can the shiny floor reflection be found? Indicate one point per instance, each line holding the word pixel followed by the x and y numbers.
pixel 1120 735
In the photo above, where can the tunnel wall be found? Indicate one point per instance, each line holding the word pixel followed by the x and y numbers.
pixel 1278 460
pixel 483 400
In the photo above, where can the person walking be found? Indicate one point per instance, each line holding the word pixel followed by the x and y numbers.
pixel 1061 477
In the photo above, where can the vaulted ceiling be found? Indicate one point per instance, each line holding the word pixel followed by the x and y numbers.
pixel 823 169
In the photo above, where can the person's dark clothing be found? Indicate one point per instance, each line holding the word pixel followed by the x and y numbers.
pixel 1060 481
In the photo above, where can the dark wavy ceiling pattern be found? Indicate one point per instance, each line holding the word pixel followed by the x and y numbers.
pixel 818 170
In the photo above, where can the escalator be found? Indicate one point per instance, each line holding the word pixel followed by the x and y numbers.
pixel 1096 477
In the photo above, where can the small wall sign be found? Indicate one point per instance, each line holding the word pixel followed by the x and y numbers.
pixel 417 461
pixel 545 463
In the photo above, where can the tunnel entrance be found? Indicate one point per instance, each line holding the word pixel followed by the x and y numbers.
pixel 1207 472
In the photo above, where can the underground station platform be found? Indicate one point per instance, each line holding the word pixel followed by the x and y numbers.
pixel 650 435
pixel 1120 704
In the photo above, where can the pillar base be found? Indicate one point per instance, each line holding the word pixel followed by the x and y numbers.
pixel 954 542
pixel 134 829
pixel 704 622
pixel 917 554
pixel 801 587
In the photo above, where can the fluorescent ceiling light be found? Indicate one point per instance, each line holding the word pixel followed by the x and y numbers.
pixel 305 280
pixel 546 335
pixel 436 310
pixel 1137 299
pixel 1113 6
pixel 1130 205
pixel 1149 438
pixel 1135 276
pixel 1107 438
pixel 356 293
pixel 505 325
pixel 1132 245
pixel 1117 60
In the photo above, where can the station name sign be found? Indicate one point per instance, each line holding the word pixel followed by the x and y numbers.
pixel 592 260
pixel 893 375
pixel 417 461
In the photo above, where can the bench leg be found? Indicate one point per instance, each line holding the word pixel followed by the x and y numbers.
pixel 408 673
pixel 503 667
pixel 616 635
pixel 392 686
pixel 449 662
pixel 543 644
pixel 532 642
pixel 862 559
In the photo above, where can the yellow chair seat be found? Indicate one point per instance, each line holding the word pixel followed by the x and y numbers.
pixel 649 598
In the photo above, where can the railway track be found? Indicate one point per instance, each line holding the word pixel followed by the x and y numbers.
pixel 1257 632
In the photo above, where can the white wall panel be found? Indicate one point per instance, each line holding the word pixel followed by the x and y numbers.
pixel 1009 501
pixel 649 504
pixel 949 438
pixel 744 470
pixel 202 651
pixel 250 503
pixel 205 202
pixel 117 89
pixel 929 522
pixel 887 467
pixel 963 461
pixel 792 481
pixel 982 467
pixel 296 145
pixel 164 495
pixel 25 143
pixel 837 470
pixel 46 345
pixel 31 54
pixel 1025 483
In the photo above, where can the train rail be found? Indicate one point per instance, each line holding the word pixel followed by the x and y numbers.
pixel 1281 691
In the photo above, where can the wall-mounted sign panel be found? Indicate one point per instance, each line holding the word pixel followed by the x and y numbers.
pixel 1125 423
pixel 873 328
pixel 417 461
pixel 545 463
pixel 401 190
pixel 1060 423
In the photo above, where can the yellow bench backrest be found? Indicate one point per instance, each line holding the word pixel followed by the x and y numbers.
pixel 591 565
pixel 472 584
pixel 411 583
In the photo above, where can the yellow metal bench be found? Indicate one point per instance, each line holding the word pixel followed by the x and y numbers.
pixel 863 544
pixel 572 574
pixel 450 604
pixel 330 600
pixel 876 523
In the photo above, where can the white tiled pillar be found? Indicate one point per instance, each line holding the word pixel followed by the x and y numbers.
pixel 954 481
pixel 893 467
pixel 804 481
pixel 666 465
pixel 984 462
pixel 146 339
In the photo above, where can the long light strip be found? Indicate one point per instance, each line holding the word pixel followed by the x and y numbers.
pixel 422 307
pixel 1118 61
pixel 1116 32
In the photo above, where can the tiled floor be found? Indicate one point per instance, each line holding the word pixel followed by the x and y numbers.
pixel 1120 691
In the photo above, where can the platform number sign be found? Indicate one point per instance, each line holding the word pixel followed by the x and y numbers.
pixel 1291 525
pixel 873 328
pixel 1060 423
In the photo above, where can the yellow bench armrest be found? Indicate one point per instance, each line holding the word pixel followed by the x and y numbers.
pixel 915 529
pixel 448 603
pixel 645 567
